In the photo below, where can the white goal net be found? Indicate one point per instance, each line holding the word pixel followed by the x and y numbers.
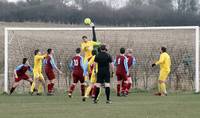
pixel 182 44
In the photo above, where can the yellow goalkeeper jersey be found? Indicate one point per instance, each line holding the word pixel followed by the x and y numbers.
pixel 164 62
pixel 38 63
pixel 87 48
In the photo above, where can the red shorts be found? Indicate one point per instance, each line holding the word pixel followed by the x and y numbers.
pixel 50 74
pixel 24 77
pixel 121 76
pixel 78 77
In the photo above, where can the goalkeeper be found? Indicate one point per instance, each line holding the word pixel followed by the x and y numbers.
pixel 87 46
pixel 165 64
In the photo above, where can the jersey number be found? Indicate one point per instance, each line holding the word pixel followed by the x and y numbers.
pixel 75 62
pixel 118 61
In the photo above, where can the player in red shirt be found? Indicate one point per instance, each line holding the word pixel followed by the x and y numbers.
pixel 20 74
pixel 131 62
pixel 49 70
pixel 79 71
pixel 122 72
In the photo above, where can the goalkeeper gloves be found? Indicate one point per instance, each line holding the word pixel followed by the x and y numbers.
pixel 153 65
pixel 92 25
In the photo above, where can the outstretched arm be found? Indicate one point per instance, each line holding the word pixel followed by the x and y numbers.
pixel 93 32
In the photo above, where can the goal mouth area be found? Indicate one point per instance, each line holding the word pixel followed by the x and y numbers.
pixel 8 29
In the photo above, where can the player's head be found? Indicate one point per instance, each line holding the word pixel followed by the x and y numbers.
pixel 163 49
pixel 37 52
pixel 129 51
pixel 50 51
pixel 84 38
pixel 122 50
pixel 94 52
pixel 24 60
pixel 78 50
pixel 103 48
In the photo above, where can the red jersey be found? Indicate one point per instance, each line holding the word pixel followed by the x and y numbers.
pixel 21 69
pixel 131 60
pixel 77 64
pixel 122 64
pixel 48 63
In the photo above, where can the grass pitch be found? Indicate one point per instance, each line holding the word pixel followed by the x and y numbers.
pixel 136 105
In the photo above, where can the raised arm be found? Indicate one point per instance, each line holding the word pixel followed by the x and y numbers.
pixel 93 32
pixel 41 56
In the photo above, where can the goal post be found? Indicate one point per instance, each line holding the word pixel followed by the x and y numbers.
pixel 9 29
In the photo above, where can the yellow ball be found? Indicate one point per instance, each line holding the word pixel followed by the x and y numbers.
pixel 87 21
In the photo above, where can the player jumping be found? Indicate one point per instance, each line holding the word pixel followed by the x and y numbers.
pixel 165 64
pixel 122 72
pixel 78 73
pixel 20 74
pixel 49 70
pixel 87 46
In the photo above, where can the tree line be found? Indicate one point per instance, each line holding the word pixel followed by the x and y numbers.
pixel 135 13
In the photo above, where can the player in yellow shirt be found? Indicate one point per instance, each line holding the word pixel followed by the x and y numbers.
pixel 165 64
pixel 88 45
pixel 92 76
pixel 37 72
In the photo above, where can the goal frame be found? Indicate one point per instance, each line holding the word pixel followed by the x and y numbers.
pixel 7 29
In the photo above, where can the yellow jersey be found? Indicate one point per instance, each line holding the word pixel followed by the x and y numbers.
pixel 92 62
pixel 164 62
pixel 87 48
pixel 38 63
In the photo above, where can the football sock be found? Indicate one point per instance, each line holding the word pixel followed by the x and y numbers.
pixel 12 90
pixel 124 88
pixel 49 88
pixel 94 90
pixel 88 91
pixel 97 93
pixel 72 87
pixel 82 90
pixel 40 87
pixel 118 89
pixel 52 87
pixel 107 91
pixel 33 87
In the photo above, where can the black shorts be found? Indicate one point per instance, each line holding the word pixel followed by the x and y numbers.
pixel 103 77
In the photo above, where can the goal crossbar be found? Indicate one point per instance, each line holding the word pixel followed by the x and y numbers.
pixel 7 29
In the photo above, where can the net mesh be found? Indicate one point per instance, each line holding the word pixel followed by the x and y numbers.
pixel 145 44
